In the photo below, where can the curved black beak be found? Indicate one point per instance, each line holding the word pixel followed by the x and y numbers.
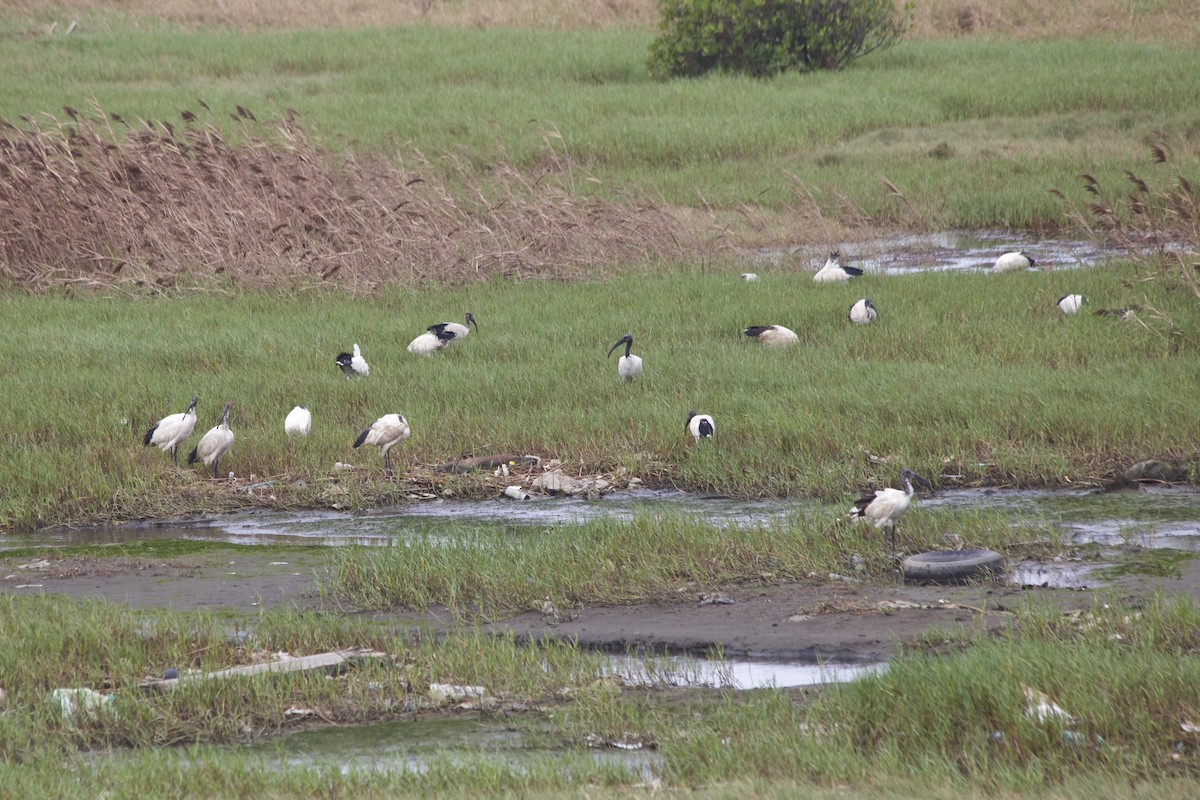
pixel 471 321
pixel 627 339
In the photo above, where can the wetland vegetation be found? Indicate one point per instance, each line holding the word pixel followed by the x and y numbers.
pixel 215 200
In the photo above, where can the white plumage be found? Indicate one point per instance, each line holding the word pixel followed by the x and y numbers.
pixel 385 433
pixel 700 426
pixel 437 337
pixel 171 430
pixel 628 366
pixel 215 443
pixel 772 335
pixel 353 366
pixel 750 277
pixel 834 271
pixel 886 506
pixel 1071 303
pixel 1010 262
pixel 863 312
pixel 298 422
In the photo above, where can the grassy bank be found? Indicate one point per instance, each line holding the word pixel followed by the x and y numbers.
pixel 974 375
pixel 972 131
pixel 1127 676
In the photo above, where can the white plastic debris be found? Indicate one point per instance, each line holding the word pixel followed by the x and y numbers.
pixel 516 493
pixel 750 277
pixel 81 701
pixel 450 693
pixel 1040 707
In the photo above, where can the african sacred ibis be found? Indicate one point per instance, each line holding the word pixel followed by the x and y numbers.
pixel 385 433
pixel 700 426
pixel 353 366
pixel 772 335
pixel 628 366
pixel 834 271
pixel 440 335
pixel 214 444
pixel 1071 303
pixel 298 422
pixel 168 432
pixel 863 312
pixel 886 505
pixel 1011 262
pixel 750 277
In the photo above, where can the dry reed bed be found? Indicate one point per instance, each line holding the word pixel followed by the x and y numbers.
pixel 97 200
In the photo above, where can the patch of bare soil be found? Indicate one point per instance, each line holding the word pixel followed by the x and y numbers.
pixel 827 620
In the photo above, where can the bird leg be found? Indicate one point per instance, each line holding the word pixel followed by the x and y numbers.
pixel 217 461
pixel 174 458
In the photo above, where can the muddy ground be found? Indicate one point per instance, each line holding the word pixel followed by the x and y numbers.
pixel 829 619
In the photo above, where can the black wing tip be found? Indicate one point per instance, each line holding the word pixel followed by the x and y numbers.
pixel 362 437
pixel 853 271
pixel 192 455
pixel 149 435
pixel 756 330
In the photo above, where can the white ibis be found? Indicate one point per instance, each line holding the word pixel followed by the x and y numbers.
pixel 438 336
pixel 298 422
pixel 353 366
pixel 1011 262
pixel 772 335
pixel 834 271
pixel 700 426
pixel 385 433
pixel 886 505
pixel 1071 303
pixel 214 444
pixel 168 432
pixel 750 277
pixel 863 312
pixel 628 366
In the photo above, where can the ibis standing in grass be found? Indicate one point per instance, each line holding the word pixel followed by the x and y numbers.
pixel 298 422
pixel 214 444
pixel 1011 262
pixel 385 433
pixel 772 335
pixel 886 505
pixel 171 430
pixel 1071 303
pixel 438 336
pixel 628 366
pixel 833 270
pixel 353 366
pixel 700 426
pixel 863 312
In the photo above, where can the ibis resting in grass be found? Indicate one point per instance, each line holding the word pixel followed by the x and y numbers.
pixel 298 422
pixel 385 433
pixel 1071 303
pixel 440 335
pixel 628 366
pixel 214 444
pixel 886 505
pixel 168 432
pixel 834 271
pixel 863 312
pixel 700 426
pixel 353 366
pixel 1011 262
pixel 772 335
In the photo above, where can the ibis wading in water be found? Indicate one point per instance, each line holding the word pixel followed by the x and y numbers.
pixel 772 335
pixel 628 366
pixel 385 433
pixel 886 505
pixel 1011 262
pixel 168 432
pixel 353 366
pixel 440 335
pixel 863 312
pixel 214 444
pixel 700 426
pixel 834 271
pixel 298 422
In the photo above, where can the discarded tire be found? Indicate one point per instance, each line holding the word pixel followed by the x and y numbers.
pixel 952 566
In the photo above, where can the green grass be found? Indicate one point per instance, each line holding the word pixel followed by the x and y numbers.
pixel 977 375
pixel 973 132
pixel 928 725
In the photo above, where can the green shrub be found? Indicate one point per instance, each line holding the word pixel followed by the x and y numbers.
pixel 764 37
